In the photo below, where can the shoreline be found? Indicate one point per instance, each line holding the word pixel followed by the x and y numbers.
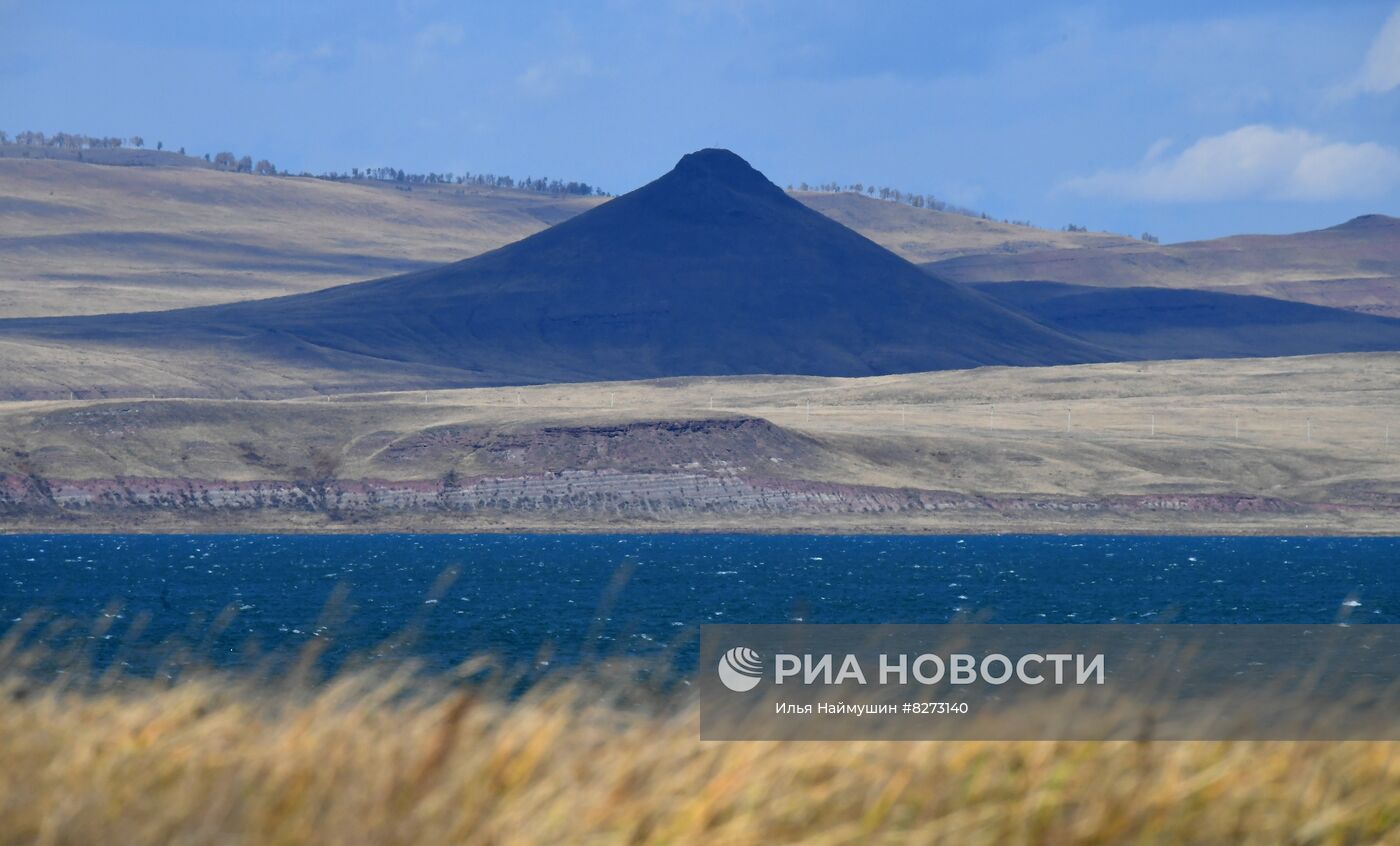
pixel 1204 529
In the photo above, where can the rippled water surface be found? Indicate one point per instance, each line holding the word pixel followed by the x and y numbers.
pixel 514 594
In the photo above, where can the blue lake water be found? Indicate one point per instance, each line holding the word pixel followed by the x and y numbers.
pixel 514 594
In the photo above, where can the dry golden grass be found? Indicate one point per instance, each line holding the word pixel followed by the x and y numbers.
pixel 87 239
pixel 994 431
pixel 925 235
pixel 364 760
pixel 79 238
pixel 1354 265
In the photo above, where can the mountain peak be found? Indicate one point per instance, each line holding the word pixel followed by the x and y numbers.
pixel 1368 222
pixel 709 270
pixel 714 159
pixel 717 165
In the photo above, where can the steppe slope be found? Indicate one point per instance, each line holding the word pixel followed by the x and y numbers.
pixel 1354 265
pixel 1300 444
pixel 83 238
pixel 710 269
pixel 80 238
pixel 925 235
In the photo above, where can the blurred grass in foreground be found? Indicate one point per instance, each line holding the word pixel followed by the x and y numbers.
pixel 386 757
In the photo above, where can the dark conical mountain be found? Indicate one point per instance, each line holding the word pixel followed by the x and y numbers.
pixel 709 270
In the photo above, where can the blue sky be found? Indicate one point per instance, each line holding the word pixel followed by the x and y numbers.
pixel 1187 119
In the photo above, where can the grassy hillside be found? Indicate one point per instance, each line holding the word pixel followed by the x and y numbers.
pixel 82 238
pixel 924 235
pixel 709 269
pixel 1355 266
pixel 1094 447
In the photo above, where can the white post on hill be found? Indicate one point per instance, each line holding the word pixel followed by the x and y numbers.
pixel 809 411
pixel 1154 426
pixel 1069 418
pixel 612 399
pixel 992 416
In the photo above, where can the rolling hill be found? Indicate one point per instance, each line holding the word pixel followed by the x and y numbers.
pixel 82 238
pixel 709 270
pixel 140 230
pixel 1164 323
pixel 1355 266
pixel 925 235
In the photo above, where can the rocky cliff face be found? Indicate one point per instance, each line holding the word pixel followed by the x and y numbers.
pixel 720 444
pixel 656 496
pixel 190 465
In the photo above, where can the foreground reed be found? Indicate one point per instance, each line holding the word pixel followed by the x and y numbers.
pixel 375 758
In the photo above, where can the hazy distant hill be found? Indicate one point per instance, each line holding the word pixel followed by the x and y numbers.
pixel 1158 323
pixel 80 238
pixel 1355 266
pixel 709 270
pixel 925 235
pixel 120 156
pixel 169 231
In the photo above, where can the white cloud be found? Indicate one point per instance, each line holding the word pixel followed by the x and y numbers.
pixel 1381 71
pixel 1253 162
pixel 1157 150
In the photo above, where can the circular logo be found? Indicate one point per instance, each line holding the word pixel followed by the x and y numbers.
pixel 741 669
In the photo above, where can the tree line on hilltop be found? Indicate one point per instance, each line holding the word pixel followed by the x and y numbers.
pixel 541 185
pixel 228 161
pixel 917 200
pixel 928 201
